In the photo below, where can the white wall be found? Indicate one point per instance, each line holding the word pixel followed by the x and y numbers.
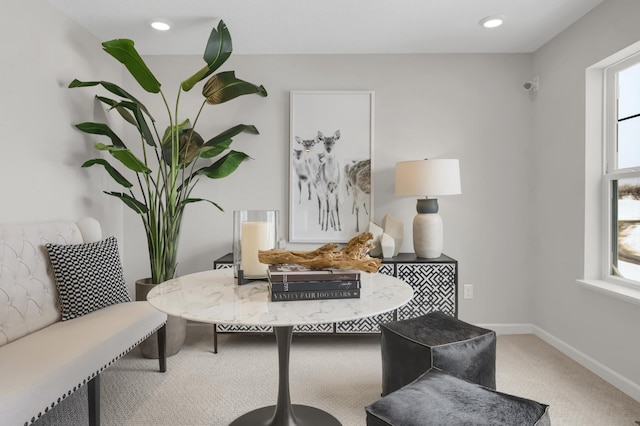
pixel 40 176
pixel 603 328
pixel 469 107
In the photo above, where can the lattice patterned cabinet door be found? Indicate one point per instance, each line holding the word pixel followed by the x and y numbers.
pixel 224 266
pixel 434 286
pixel 387 269
pixel 243 328
pixel 314 328
pixel 310 328
pixel 364 325
pixel 369 324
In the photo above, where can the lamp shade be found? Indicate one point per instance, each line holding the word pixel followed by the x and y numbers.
pixel 428 177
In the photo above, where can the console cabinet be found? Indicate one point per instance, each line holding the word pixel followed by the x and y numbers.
pixel 434 282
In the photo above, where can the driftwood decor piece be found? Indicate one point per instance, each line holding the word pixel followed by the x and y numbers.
pixel 355 255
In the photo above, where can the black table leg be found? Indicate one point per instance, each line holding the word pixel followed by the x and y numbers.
pixel 215 338
pixel 284 413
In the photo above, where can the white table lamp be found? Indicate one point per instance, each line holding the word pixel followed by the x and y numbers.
pixel 428 178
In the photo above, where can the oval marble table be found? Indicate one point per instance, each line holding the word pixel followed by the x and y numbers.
pixel 214 297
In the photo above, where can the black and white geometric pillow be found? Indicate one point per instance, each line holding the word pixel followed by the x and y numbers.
pixel 88 276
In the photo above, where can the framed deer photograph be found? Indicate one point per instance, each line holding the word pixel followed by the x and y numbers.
pixel 330 169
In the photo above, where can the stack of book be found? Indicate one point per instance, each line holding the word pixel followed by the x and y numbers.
pixel 295 282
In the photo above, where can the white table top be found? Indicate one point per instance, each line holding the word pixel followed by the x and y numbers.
pixel 213 297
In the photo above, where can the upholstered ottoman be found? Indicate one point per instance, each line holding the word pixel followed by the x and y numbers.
pixel 412 346
pixel 440 399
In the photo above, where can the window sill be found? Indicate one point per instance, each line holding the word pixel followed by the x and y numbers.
pixel 618 291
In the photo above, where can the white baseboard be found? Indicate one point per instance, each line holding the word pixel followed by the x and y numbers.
pixel 509 328
pixel 625 385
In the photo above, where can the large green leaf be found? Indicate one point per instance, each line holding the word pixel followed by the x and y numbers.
pixel 125 156
pixel 101 129
pixel 141 122
pixel 116 105
pixel 224 166
pixel 113 88
pixel 112 171
pixel 197 200
pixel 216 53
pixel 166 137
pixel 136 205
pixel 219 46
pixel 231 132
pixel 124 51
pixel 189 144
pixel 224 86
pixel 215 150
pixel 222 141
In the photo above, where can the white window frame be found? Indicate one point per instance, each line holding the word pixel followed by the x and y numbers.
pixel 610 171
pixel 598 214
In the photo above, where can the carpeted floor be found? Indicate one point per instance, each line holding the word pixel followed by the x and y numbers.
pixel 339 374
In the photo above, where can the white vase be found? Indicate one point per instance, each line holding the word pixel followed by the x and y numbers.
pixel 428 235
pixel 376 231
pixel 388 245
pixel 394 228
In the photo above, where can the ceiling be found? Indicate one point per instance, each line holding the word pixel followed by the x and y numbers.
pixel 330 26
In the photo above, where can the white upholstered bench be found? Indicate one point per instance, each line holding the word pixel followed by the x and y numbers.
pixel 48 351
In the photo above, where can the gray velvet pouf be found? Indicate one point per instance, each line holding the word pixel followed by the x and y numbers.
pixel 440 399
pixel 412 346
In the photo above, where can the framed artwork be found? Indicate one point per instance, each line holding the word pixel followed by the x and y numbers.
pixel 330 180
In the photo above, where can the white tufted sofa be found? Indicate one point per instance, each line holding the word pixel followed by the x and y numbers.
pixel 42 359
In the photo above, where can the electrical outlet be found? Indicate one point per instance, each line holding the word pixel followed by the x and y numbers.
pixel 468 291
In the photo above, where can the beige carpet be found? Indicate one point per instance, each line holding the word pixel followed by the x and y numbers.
pixel 340 374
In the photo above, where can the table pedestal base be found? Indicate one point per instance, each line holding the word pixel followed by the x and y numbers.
pixel 303 415
pixel 284 413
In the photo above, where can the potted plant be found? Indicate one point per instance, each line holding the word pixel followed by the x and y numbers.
pixel 174 157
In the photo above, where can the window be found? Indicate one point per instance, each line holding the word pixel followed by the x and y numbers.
pixel 622 170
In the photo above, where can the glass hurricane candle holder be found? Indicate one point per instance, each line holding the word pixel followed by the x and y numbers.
pixel 253 230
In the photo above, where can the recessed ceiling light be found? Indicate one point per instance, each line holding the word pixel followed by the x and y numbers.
pixel 161 25
pixel 492 21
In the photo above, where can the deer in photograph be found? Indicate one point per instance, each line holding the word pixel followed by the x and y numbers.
pixel 327 183
pixel 305 172
pixel 309 163
pixel 358 179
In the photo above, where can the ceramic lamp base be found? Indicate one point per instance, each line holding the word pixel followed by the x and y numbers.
pixel 428 235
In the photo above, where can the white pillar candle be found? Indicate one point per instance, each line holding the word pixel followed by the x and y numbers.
pixel 255 236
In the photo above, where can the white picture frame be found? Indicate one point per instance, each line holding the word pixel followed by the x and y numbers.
pixel 330 165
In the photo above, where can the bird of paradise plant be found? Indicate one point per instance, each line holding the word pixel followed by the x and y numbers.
pixel 179 154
